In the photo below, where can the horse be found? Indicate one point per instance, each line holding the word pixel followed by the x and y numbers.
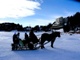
pixel 49 37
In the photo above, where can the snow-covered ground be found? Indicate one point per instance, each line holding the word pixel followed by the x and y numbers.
pixel 67 47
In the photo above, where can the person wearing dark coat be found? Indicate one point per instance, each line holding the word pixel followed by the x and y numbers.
pixel 33 40
pixel 33 37
pixel 25 41
pixel 15 41
pixel 26 36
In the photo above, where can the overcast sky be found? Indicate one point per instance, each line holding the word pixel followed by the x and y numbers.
pixel 36 12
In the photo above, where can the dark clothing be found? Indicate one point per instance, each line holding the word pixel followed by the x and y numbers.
pixel 26 36
pixel 25 41
pixel 15 39
pixel 33 38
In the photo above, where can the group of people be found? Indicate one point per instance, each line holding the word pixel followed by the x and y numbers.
pixel 29 42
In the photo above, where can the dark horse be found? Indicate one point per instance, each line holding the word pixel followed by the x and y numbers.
pixel 49 37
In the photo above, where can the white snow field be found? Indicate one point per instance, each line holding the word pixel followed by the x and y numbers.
pixel 67 47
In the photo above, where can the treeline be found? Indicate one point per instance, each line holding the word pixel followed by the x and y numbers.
pixel 39 28
pixel 18 27
pixel 73 23
pixel 10 27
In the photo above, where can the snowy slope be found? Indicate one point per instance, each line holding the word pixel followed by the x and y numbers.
pixel 65 48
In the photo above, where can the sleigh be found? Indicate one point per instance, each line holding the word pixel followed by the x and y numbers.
pixel 21 46
pixel 17 47
pixel 29 46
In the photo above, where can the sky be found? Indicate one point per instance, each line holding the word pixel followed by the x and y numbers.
pixel 36 12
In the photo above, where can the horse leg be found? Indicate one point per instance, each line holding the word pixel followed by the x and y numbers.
pixel 42 45
pixel 52 42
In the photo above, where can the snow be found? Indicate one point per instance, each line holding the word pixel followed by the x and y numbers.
pixel 67 47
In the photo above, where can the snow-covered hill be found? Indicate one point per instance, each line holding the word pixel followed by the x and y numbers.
pixel 65 48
